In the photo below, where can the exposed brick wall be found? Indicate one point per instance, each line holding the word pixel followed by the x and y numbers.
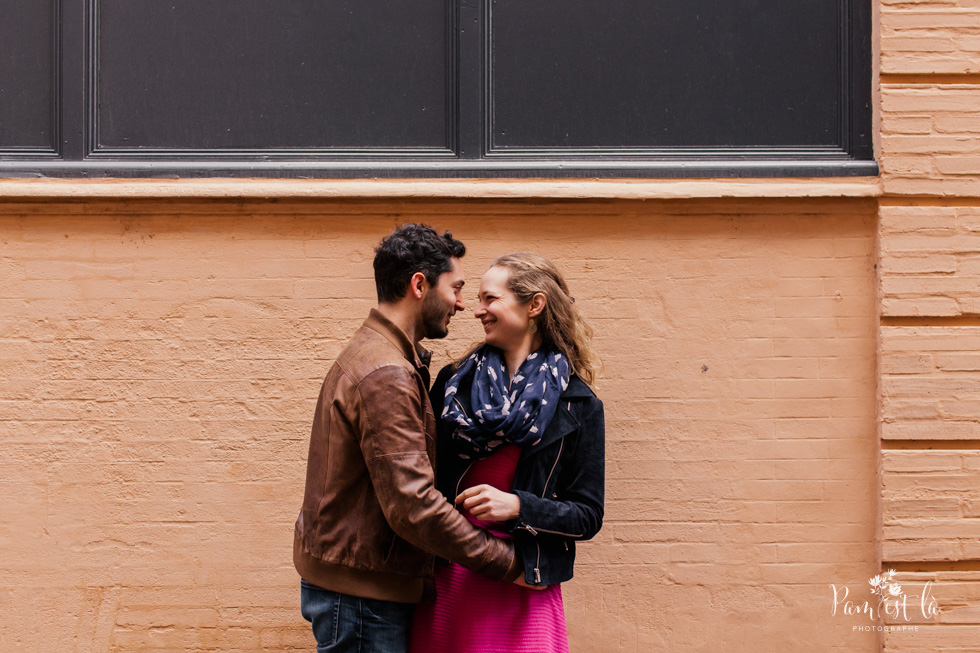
pixel 930 289
pixel 930 36
pixel 930 138
pixel 930 504
pixel 930 260
pixel 162 362
pixel 929 383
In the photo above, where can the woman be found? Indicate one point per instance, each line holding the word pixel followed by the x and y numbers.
pixel 522 454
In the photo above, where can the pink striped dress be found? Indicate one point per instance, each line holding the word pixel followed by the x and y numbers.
pixel 473 614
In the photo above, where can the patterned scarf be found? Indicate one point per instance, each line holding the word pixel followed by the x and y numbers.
pixel 517 413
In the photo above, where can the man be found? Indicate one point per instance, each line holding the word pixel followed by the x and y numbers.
pixel 371 516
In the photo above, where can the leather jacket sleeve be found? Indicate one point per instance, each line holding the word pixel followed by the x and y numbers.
pixel 573 503
pixel 394 446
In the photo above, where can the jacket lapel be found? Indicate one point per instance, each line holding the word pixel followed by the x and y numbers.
pixel 561 425
pixel 563 422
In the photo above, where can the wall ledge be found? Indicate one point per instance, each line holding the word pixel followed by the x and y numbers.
pixel 326 189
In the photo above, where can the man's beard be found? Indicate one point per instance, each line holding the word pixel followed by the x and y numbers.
pixel 434 317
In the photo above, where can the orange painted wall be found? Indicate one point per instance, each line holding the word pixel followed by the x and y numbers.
pixel 162 361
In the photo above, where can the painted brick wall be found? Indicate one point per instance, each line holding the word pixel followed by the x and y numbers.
pixel 161 363
pixel 930 286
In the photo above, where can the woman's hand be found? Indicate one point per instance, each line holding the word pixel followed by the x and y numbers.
pixel 489 504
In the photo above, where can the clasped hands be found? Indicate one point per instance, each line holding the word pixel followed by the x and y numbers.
pixel 487 503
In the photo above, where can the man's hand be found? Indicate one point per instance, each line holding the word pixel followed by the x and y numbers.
pixel 489 504
pixel 520 581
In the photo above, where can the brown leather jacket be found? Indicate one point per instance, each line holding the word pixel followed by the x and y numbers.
pixel 372 516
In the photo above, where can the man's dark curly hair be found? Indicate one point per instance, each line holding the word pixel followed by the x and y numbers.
pixel 412 247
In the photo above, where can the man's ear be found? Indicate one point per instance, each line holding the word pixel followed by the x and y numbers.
pixel 418 285
pixel 538 302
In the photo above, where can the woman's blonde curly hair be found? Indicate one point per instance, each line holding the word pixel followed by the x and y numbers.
pixel 560 323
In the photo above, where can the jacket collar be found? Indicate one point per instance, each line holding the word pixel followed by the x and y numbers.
pixel 561 425
pixel 563 422
pixel 414 353
pixel 577 388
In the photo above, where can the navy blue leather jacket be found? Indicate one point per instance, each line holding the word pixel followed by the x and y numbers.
pixel 560 480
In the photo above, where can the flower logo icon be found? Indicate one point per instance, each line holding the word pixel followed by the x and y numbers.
pixel 883 586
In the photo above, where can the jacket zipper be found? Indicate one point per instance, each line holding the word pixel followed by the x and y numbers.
pixel 527 527
pixel 462 476
pixel 532 531
pixel 468 465
pixel 535 531
pixel 561 445
pixel 537 564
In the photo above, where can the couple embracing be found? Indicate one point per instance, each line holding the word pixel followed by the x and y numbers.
pixel 499 469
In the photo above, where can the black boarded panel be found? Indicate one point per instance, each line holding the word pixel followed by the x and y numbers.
pixel 267 74
pixel 666 73
pixel 27 74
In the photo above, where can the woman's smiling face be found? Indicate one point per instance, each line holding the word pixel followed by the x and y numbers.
pixel 505 319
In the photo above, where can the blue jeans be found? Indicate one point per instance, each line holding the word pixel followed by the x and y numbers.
pixel 350 624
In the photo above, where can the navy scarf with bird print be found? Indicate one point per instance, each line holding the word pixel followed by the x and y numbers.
pixel 503 412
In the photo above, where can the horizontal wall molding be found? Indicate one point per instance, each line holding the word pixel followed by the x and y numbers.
pixel 635 189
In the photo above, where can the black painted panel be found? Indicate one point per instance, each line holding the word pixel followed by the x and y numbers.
pixel 27 78
pixel 666 73
pixel 265 74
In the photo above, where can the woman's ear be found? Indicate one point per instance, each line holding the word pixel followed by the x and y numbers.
pixel 538 302
pixel 417 285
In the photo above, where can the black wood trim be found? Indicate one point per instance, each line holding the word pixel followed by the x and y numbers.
pixel 472 116
pixel 854 61
pixel 844 70
pixel 452 77
pixel 468 152
pixel 57 110
pixel 74 71
pixel 215 157
pixel 54 149
pixel 91 132
pixel 683 153
pixel 452 168
pixel 860 62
